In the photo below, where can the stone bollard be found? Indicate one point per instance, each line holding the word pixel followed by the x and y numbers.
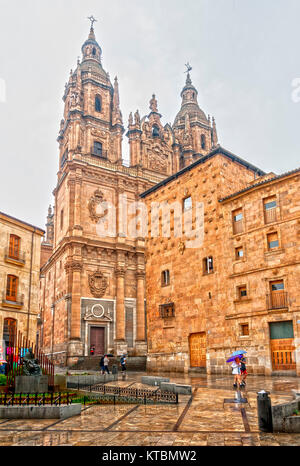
pixel 114 369
pixel 264 411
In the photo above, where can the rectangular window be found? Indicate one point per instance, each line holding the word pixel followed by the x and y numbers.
pixel 187 203
pixel 11 288
pixel 281 330
pixel 239 253
pixel 237 221
pixel 277 286
pixel 208 265
pixel 242 292
pixel 165 278
pixel 272 239
pixel 167 310
pixel 97 148
pixel 14 246
pixel 278 297
pixel 244 329
pixel 270 205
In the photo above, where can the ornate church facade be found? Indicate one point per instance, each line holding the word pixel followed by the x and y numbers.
pixel 92 289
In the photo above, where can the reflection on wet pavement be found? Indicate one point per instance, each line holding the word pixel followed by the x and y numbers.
pixel 206 419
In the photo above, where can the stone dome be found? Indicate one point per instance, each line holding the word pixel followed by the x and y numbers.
pixel 189 106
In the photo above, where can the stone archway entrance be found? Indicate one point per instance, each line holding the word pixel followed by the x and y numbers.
pixel 197 344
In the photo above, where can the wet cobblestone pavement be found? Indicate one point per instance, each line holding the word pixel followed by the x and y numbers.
pixel 208 418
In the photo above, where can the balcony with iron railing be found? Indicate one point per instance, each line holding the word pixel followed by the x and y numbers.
pixel 16 302
pixel 271 215
pixel 102 154
pixel 277 300
pixel 16 257
pixel 238 227
pixel 167 310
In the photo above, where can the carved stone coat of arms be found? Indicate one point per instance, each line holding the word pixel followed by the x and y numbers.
pixel 98 284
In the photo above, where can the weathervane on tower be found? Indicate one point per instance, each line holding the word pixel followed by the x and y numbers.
pixel 188 67
pixel 92 20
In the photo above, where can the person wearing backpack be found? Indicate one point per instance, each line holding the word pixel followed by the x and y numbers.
pixel 102 365
pixel 123 363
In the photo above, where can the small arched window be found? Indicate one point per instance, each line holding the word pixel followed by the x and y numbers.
pixel 14 246
pixel 203 141
pixel 165 278
pixel 155 131
pixel 98 103
pixel 94 51
pixel 12 288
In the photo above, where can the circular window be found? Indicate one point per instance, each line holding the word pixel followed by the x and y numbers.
pixel 97 310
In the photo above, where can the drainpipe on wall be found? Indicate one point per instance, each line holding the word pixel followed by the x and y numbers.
pixel 30 277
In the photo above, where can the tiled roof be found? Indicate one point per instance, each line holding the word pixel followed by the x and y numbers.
pixel 260 183
pixel 204 158
pixel 22 221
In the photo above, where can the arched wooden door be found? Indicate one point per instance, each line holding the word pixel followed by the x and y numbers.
pixel 197 344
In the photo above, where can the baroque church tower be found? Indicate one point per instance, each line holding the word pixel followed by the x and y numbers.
pixel 194 133
pixel 93 283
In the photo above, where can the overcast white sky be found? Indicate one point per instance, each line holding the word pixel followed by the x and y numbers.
pixel 244 53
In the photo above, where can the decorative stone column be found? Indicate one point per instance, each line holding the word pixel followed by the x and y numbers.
pixel 75 346
pixel 140 343
pixel 120 342
pixel 77 207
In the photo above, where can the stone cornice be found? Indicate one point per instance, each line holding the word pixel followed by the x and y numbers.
pixel 266 226
pixel 263 269
pixel 70 241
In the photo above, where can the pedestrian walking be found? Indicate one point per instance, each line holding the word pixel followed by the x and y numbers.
pixel 236 371
pixel 105 362
pixel 101 364
pixel 123 362
pixel 244 372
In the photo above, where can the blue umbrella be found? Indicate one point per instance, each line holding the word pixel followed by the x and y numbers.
pixel 236 353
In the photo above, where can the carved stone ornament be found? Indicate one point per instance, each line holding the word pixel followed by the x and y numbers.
pixel 98 284
pixel 181 247
pixel 73 267
pixel 94 201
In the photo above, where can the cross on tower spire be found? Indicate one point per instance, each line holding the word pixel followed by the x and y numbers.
pixel 92 20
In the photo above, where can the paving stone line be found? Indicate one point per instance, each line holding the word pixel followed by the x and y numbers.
pixel 182 416
pixel 121 418
pixel 61 420
pixel 245 420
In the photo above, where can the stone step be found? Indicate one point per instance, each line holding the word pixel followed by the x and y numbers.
pixel 133 363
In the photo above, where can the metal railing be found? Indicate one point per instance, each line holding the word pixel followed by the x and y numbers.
pixel 17 348
pixel 137 394
pixel 238 227
pixel 17 300
pixel 102 154
pixel 270 215
pixel 9 254
pixel 36 399
pixel 277 300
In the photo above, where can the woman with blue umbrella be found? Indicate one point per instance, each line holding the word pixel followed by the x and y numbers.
pixel 235 358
